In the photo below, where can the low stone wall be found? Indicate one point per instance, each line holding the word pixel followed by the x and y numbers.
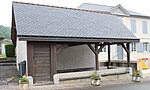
pixel 117 77
pixel 84 76
pixel 103 78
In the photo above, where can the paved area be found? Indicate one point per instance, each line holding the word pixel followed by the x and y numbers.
pixel 9 75
pixel 129 86
pixel 106 85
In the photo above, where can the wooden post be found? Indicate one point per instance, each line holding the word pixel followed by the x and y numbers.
pixel 128 54
pixel 30 61
pixel 96 56
pixel 96 52
pixel 109 62
pixel 53 60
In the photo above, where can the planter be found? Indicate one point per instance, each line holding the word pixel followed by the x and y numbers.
pixel 136 79
pixel 95 82
pixel 24 86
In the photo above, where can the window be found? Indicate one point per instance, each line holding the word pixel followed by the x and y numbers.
pixel 103 49
pixel 145 46
pixel 133 26
pixel 133 47
pixel 144 27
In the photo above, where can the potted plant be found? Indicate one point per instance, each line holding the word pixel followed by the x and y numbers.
pixel 95 79
pixel 136 77
pixel 24 83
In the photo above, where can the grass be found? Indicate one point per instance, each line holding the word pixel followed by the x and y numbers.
pixel 2 56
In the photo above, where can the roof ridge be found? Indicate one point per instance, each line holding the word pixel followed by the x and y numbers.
pixel 99 4
pixel 101 12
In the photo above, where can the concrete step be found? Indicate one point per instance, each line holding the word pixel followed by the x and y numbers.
pixel 7 61
pixel 7 64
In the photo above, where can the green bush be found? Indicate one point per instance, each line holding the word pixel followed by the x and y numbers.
pixel 137 73
pixel 24 80
pixel 10 52
pixel 1 38
pixel 95 76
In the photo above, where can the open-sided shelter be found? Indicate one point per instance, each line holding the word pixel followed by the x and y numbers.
pixel 52 38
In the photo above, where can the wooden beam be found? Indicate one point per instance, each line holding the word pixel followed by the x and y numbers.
pixel 75 44
pixel 101 47
pixel 96 57
pixel 91 47
pixel 128 54
pixel 62 46
pixel 53 60
pixel 80 40
pixel 105 43
pixel 115 43
pixel 125 48
pixel 95 50
pixel 109 62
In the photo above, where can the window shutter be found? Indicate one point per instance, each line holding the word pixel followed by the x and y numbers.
pixel 130 47
pixel 144 25
pixel 120 52
pixel 148 47
pixel 133 26
pixel 106 48
pixel 139 47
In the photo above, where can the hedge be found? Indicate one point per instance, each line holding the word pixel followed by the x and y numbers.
pixel 1 38
pixel 10 52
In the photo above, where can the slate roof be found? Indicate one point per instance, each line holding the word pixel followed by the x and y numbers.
pixel 39 20
pixel 105 8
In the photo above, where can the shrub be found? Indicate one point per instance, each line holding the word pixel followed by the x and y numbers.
pixel 24 80
pixel 137 73
pixel 1 38
pixel 95 76
pixel 10 52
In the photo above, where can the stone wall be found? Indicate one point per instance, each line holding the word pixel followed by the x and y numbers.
pixel 103 78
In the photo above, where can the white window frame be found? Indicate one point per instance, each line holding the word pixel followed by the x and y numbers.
pixel 145 46
pixel 133 47
pixel 104 49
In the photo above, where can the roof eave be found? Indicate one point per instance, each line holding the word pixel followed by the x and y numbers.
pixel 77 39
pixel 140 16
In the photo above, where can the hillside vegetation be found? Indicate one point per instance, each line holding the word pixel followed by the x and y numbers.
pixel 5 32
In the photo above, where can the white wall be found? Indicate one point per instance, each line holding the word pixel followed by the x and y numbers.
pixel 21 51
pixel 139 33
pixel 75 57
pixel 3 51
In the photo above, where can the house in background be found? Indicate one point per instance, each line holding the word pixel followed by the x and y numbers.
pixel 137 23
pixel 54 39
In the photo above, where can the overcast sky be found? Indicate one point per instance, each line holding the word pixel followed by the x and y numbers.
pixel 140 6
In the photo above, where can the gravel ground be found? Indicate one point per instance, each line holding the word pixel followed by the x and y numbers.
pixel 63 86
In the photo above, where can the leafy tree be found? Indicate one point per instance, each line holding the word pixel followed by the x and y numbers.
pixel 5 32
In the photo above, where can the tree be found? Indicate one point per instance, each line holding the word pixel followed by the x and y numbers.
pixel 5 32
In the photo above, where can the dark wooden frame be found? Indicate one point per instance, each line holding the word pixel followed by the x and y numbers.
pixel 53 59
